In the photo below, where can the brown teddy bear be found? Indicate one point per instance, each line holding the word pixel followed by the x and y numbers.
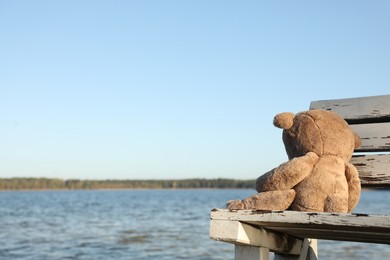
pixel 318 176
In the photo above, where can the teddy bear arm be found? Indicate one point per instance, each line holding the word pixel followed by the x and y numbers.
pixel 288 174
pixel 270 200
pixel 354 187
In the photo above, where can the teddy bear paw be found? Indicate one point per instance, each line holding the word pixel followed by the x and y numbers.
pixel 235 205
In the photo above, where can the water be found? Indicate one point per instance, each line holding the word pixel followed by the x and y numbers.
pixel 138 224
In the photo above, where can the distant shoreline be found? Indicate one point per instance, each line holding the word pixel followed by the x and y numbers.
pixel 129 189
pixel 51 184
pixel 47 184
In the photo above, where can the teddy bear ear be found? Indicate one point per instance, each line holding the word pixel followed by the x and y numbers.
pixel 358 142
pixel 284 120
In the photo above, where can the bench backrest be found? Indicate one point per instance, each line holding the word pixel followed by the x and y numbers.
pixel 370 119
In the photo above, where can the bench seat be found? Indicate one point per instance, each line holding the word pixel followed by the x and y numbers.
pixel 332 226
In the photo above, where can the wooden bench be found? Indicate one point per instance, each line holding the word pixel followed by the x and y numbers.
pixel 292 234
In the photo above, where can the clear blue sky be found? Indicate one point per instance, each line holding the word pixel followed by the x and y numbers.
pixel 174 89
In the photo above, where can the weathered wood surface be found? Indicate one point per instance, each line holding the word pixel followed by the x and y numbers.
pixel 375 137
pixel 355 110
pixel 374 169
pixel 243 234
pixel 345 227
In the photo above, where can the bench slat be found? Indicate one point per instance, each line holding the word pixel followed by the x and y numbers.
pixel 375 137
pixel 356 110
pixel 366 235
pixel 373 169
pixel 334 226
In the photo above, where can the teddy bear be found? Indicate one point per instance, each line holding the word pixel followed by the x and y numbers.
pixel 318 177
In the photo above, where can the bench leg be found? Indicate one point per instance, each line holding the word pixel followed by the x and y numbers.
pixel 308 251
pixel 251 253
pixel 312 253
pixel 246 252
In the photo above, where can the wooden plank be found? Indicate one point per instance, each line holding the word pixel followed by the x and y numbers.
pixel 243 234
pixel 359 235
pixel 375 137
pixel 355 110
pixel 333 226
pixel 374 169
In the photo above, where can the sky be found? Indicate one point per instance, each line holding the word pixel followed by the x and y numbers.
pixel 174 89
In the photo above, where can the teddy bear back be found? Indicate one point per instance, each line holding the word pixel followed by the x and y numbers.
pixel 320 131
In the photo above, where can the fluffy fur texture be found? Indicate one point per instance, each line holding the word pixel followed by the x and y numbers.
pixel 318 176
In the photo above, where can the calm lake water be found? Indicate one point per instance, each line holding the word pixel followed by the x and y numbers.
pixel 138 224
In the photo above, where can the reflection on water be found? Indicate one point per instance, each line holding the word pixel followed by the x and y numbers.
pixel 137 224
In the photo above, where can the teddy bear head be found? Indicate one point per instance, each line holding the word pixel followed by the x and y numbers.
pixel 320 131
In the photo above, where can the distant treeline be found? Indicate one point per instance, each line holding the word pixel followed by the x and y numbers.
pixel 73 184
